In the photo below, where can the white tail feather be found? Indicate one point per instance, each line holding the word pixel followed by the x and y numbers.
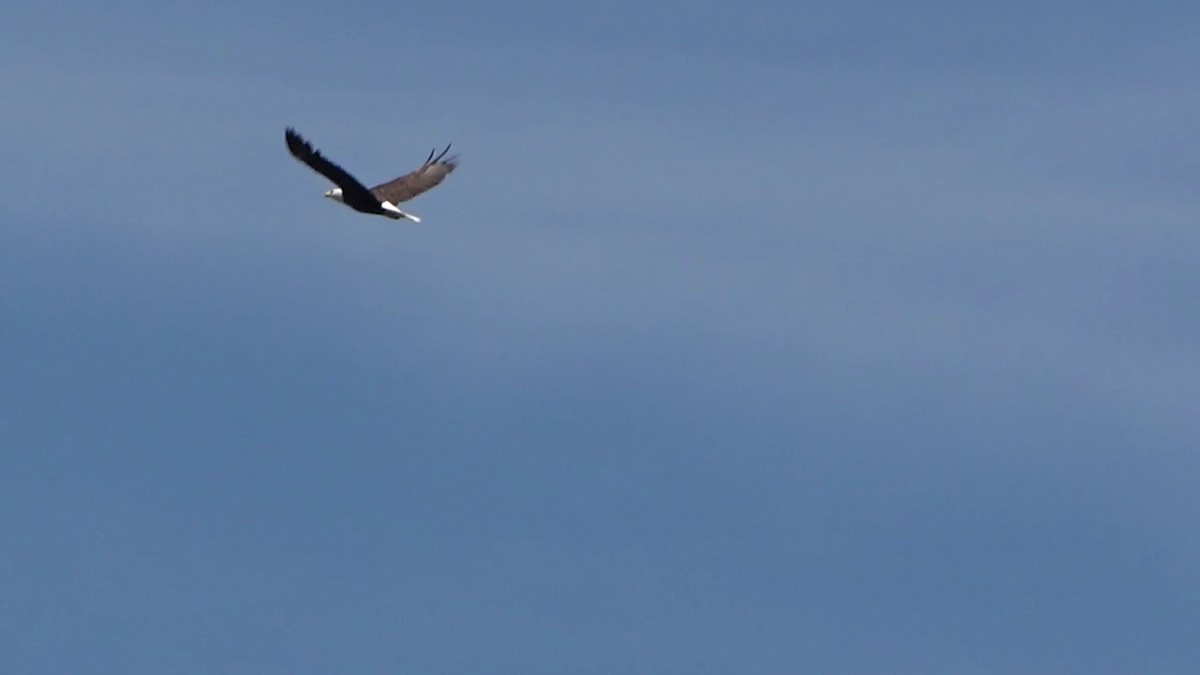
pixel 388 206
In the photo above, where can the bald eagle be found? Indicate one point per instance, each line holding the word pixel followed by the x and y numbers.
pixel 381 199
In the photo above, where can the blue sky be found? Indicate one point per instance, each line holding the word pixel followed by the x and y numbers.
pixel 749 337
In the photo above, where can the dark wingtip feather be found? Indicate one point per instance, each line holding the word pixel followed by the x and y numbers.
pixel 296 143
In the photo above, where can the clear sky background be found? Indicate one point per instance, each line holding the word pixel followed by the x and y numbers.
pixel 762 337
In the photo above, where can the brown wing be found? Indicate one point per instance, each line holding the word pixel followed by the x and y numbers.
pixel 431 172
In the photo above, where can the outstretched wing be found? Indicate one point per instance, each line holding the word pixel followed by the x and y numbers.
pixel 432 172
pixel 303 151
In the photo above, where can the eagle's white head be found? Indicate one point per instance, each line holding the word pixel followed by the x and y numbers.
pixel 335 193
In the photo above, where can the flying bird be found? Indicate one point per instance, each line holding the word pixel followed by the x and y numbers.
pixel 381 199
